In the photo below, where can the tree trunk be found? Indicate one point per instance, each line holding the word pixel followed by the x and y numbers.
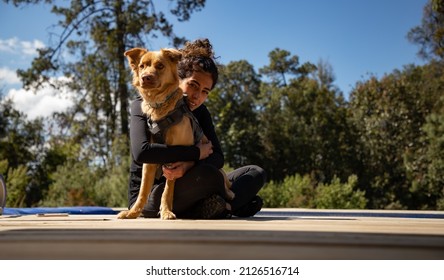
pixel 122 87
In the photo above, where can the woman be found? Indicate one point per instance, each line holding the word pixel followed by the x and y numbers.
pixel 199 189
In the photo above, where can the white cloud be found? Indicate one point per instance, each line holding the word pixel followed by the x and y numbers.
pixel 15 46
pixel 40 104
pixel 8 76
pixel 30 48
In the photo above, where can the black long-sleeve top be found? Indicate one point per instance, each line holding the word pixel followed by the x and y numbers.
pixel 145 152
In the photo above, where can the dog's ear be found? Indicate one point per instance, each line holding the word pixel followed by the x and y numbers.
pixel 173 54
pixel 134 56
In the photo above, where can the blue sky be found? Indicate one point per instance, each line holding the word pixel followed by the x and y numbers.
pixel 356 37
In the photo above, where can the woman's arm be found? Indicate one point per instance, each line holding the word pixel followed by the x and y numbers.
pixel 215 158
pixel 206 122
pixel 146 152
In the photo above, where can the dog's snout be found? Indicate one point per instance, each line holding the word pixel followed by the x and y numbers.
pixel 147 78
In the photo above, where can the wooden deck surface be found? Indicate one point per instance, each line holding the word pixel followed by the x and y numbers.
pixel 272 234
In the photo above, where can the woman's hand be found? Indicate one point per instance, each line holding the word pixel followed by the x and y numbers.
pixel 173 171
pixel 206 149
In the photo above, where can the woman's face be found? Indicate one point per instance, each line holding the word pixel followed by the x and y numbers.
pixel 196 88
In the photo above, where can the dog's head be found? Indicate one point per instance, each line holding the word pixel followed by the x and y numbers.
pixel 154 72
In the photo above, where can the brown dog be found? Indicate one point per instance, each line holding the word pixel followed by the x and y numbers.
pixel 156 79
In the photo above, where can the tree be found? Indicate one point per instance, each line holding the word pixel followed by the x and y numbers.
pixel 425 162
pixel 282 64
pixel 16 183
pixel 89 53
pixel 324 75
pixel 233 104
pixel 274 138
pixel 21 147
pixel 304 127
pixel 87 61
pixel 427 170
pixel 389 115
pixel 430 34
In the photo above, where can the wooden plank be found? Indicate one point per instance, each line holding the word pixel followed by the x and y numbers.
pixel 298 234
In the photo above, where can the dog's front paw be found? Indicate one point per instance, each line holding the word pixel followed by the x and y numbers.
pixel 167 215
pixel 128 214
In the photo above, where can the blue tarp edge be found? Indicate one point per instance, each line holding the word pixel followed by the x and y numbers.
pixel 74 210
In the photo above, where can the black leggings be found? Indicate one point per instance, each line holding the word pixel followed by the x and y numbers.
pixel 198 183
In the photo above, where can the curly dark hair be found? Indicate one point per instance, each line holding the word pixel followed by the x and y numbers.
pixel 198 56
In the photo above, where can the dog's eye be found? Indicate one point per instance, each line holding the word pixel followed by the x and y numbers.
pixel 159 66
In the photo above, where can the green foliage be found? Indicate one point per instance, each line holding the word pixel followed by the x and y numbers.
pixel 20 138
pixel 73 185
pixel 340 196
pixel 276 194
pixel 79 183
pixel 233 103
pixel 112 189
pixel 426 171
pixel 389 116
pixel 21 147
pixel 304 192
pixel 434 129
pixel 282 64
pixel 3 166
pixel 304 129
pixel 16 182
